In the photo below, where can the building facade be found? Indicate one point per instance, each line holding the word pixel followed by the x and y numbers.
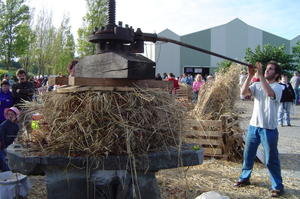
pixel 230 39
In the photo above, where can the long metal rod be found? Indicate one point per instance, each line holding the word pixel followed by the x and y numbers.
pixel 201 50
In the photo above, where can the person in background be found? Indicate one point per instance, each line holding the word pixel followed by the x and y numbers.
pixel 255 78
pixel 197 84
pixel 263 124
pixel 295 82
pixel 184 79
pixel 158 77
pixel 23 90
pixel 165 76
pixel 190 79
pixel 286 102
pixel 8 132
pixel 7 78
pixel 171 77
pixel 6 99
pixel 209 78
pixel 71 67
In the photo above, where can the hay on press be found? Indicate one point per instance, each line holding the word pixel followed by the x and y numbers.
pixel 96 123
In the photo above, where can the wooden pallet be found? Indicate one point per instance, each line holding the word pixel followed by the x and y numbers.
pixel 209 134
pixel 184 91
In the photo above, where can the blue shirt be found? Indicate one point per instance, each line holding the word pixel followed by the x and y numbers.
pixel 6 101
pixel 8 132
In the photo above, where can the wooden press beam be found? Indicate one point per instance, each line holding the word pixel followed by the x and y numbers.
pixel 114 82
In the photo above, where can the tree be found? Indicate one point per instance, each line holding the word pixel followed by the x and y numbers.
pixel 268 53
pixel 14 26
pixel 296 54
pixel 95 17
pixel 223 66
pixel 63 48
pixel 51 49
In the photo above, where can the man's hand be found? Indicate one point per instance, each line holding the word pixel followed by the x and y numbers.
pixel 258 66
pixel 251 71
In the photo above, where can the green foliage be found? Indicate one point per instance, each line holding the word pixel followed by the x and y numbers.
pixel 223 66
pixel 3 72
pixel 95 17
pixel 268 53
pixel 296 54
pixel 14 28
pixel 51 49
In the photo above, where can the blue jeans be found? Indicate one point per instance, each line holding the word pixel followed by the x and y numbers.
pixel 3 164
pixel 269 139
pixel 297 90
pixel 284 110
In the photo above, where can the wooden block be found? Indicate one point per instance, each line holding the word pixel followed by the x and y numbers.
pixel 213 151
pixel 57 81
pixel 197 133
pixel 73 89
pixel 121 82
pixel 203 141
pixel 203 124
pixel 115 65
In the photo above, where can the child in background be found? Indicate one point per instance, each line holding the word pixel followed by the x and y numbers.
pixel 8 132
pixel 197 84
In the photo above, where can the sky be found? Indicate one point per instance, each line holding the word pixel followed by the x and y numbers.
pixel 280 17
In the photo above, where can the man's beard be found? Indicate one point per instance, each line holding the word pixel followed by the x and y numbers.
pixel 271 77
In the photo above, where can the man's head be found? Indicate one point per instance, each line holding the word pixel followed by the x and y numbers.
pixel 21 75
pixel 273 71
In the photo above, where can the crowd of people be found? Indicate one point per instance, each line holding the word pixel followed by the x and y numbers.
pixel 196 82
pixel 12 95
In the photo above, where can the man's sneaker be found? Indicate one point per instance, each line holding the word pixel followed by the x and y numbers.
pixel 242 183
pixel 276 193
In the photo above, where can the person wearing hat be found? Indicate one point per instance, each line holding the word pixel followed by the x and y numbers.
pixel 6 99
pixel 8 132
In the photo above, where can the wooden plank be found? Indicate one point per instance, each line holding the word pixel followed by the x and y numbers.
pixel 114 82
pixel 198 133
pixel 72 89
pixel 212 151
pixel 203 141
pixel 202 124
pixel 207 156
pixel 58 81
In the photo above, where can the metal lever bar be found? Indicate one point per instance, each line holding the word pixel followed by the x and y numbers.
pixel 154 38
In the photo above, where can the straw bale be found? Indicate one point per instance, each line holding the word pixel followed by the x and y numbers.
pixel 217 97
pixel 96 123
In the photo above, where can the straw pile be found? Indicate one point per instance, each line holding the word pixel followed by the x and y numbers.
pixel 101 123
pixel 217 97
pixel 216 102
